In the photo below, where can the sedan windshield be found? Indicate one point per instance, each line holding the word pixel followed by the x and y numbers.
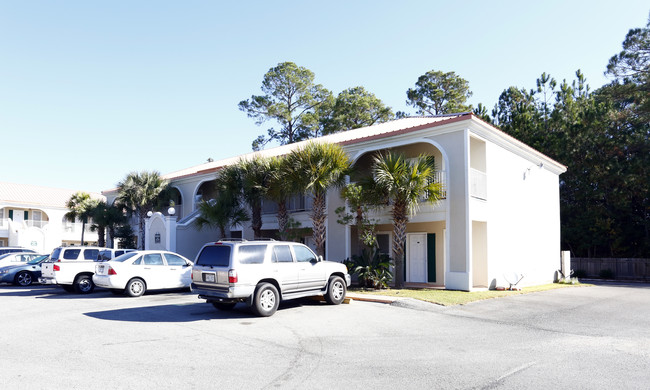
pixel 38 260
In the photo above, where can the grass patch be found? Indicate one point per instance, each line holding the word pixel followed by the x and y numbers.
pixel 450 298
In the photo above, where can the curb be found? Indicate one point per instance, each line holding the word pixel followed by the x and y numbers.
pixel 372 298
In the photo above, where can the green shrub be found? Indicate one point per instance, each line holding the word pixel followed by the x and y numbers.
pixel 372 268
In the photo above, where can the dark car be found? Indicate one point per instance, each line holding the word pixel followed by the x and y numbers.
pixel 23 274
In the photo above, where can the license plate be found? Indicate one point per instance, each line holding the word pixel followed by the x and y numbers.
pixel 209 278
pixel 101 268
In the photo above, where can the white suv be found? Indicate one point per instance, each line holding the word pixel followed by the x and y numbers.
pixel 262 273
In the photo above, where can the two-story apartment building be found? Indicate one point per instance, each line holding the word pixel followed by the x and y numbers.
pixel 33 217
pixel 500 214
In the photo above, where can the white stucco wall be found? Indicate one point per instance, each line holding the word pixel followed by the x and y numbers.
pixel 523 218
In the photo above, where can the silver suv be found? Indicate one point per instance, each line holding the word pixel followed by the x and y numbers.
pixel 262 273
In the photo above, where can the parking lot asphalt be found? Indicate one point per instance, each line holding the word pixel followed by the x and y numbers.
pixel 593 337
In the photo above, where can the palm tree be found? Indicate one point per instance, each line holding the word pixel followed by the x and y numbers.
pixel 361 197
pixel 254 177
pixel 279 188
pixel 220 213
pixel 405 184
pixel 106 217
pixel 316 168
pixel 81 206
pixel 138 193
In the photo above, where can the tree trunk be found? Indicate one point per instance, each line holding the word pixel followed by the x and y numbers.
pixel 111 236
pixel 101 236
pixel 141 216
pixel 283 220
pixel 256 221
pixel 83 230
pixel 318 222
pixel 400 219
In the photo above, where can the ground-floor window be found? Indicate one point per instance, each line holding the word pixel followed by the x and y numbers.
pixel 383 241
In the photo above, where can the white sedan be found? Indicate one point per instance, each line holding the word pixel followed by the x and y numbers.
pixel 140 271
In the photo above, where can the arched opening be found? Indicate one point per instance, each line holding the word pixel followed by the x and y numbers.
pixel 424 261
pixel 173 198
pixel 206 191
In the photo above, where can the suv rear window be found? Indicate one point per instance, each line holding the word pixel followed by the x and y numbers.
pixel 252 254
pixel 91 254
pixel 217 256
pixel 55 254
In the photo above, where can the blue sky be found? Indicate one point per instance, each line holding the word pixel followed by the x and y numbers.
pixel 92 90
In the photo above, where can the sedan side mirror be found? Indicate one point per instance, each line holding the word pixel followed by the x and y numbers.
pixel 320 258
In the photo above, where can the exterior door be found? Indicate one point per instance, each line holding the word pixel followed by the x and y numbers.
pixel 416 260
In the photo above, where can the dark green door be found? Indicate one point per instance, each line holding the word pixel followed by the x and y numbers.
pixel 431 257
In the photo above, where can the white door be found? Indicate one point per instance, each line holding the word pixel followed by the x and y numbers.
pixel 416 258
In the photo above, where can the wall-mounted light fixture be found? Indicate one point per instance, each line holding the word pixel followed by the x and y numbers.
pixel 527 171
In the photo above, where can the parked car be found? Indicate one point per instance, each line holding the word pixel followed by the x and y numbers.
pixel 23 274
pixel 110 254
pixel 136 272
pixel 262 273
pixel 72 268
pixel 15 258
pixel 14 249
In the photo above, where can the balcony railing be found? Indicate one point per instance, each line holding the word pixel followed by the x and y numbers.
pixel 294 204
pixel 36 223
pixel 4 222
pixel 440 178
pixel 477 184
pixel 75 228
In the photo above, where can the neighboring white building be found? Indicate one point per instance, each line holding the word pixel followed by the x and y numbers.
pixel 501 213
pixel 33 217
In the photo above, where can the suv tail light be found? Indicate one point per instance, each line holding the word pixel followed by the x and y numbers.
pixel 56 267
pixel 232 276
pixel 111 271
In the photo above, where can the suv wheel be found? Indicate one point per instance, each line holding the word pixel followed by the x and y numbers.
pixel 84 285
pixel 266 300
pixel 335 290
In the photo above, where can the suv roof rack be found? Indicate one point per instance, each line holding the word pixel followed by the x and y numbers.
pixel 245 240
